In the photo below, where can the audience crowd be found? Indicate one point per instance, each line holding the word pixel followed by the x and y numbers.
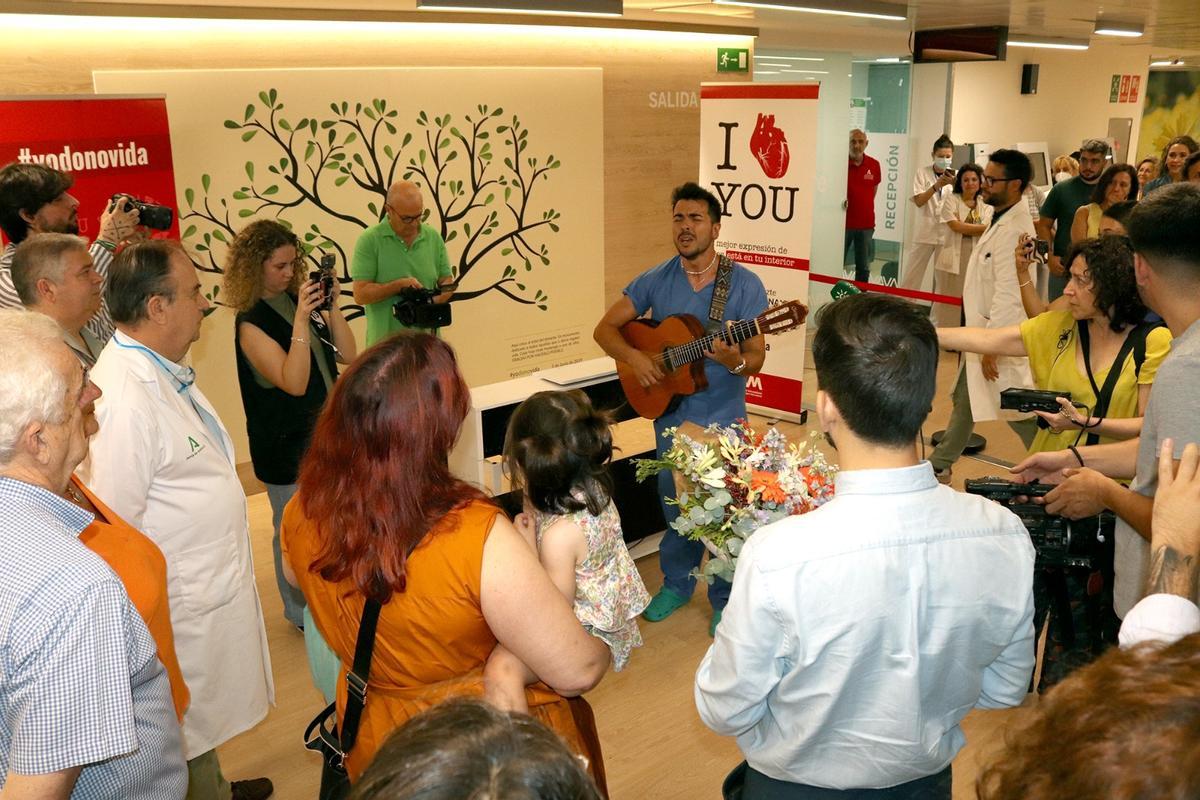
pixel 454 643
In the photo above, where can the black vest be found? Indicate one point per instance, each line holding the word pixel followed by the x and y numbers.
pixel 279 424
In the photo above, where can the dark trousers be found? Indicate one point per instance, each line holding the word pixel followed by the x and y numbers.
pixel 747 783
pixel 863 242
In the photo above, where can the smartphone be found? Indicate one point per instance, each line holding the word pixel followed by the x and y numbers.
pixel 950 173
pixel 325 275
pixel 1041 250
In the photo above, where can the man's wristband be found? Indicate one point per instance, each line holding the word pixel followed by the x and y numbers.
pixel 738 369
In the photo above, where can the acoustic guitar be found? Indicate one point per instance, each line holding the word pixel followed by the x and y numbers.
pixel 678 343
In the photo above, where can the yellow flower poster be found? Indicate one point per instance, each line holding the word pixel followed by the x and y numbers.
pixel 1172 109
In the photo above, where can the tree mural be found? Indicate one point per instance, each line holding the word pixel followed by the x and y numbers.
pixel 478 177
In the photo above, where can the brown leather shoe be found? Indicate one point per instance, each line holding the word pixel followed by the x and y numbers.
pixel 253 789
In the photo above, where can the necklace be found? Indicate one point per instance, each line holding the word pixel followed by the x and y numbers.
pixel 74 495
pixel 702 271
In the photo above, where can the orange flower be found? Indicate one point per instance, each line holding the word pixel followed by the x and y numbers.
pixel 767 484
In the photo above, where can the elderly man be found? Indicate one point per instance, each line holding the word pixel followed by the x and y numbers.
pixel 164 462
pixel 399 253
pixel 33 201
pixel 55 274
pixel 85 702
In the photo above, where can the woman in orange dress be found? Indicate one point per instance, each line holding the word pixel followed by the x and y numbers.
pixel 378 513
pixel 139 564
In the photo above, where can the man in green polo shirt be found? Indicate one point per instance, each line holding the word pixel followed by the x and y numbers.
pixel 399 253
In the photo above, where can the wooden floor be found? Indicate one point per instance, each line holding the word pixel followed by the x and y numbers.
pixel 654 743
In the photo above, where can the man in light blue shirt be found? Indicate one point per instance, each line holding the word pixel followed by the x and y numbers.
pixel 859 635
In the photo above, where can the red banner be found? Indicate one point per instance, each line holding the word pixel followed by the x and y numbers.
pixel 109 145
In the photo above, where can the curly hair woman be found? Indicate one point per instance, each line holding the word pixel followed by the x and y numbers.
pixel 287 353
pixel 1101 352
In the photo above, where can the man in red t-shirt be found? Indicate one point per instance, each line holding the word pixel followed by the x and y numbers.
pixel 861 183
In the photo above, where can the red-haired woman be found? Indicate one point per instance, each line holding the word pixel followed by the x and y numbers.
pixel 379 515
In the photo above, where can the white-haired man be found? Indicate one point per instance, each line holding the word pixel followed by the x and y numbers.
pixel 84 699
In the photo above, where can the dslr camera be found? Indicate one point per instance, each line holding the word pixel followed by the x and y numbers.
pixel 1058 541
pixel 152 216
pixel 416 309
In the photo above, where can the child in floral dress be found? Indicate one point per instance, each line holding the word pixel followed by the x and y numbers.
pixel 555 452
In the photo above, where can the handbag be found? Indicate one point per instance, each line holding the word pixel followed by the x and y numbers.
pixel 322 734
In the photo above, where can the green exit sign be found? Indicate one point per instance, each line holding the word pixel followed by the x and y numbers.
pixel 733 59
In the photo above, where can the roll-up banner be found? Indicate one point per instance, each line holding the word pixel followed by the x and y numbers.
pixel 758 156
pixel 109 145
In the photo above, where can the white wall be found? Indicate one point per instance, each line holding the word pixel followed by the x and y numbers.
pixel 1071 104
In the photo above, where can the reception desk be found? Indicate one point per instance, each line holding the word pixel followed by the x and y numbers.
pixel 477 454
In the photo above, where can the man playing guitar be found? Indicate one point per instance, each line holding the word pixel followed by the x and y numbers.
pixel 684 284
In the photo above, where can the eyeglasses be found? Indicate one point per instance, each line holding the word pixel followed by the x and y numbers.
pixel 988 180
pixel 407 220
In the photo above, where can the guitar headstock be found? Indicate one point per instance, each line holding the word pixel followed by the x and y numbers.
pixel 783 317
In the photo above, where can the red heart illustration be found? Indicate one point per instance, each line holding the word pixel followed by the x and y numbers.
pixel 769 145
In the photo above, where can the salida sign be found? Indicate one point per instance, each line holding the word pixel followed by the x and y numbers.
pixel 757 154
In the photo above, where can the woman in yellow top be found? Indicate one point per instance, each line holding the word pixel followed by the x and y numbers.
pixel 1075 350
pixel 1102 298
pixel 1117 184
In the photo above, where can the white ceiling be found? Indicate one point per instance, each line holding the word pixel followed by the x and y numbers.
pixel 1172 26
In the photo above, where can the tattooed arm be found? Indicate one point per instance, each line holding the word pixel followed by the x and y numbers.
pixel 1175 544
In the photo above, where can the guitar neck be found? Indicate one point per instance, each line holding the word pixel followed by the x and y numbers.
pixel 694 350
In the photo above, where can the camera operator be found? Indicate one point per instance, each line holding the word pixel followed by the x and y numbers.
pixel 33 200
pixel 1124 727
pixel 401 252
pixel 1101 353
pixel 287 345
pixel 1165 232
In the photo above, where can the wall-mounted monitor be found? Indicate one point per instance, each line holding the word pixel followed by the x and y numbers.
pixel 1038 153
pixel 960 44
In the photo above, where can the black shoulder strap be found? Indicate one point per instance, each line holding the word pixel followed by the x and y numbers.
pixel 356 678
pixel 1142 333
pixel 1104 393
pixel 721 287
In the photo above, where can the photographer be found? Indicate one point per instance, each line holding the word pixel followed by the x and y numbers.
pixel 287 342
pixel 1101 353
pixel 1165 231
pixel 33 200
pixel 399 253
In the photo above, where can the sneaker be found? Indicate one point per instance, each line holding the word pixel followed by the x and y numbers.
pixel 714 622
pixel 664 604
pixel 942 475
pixel 253 789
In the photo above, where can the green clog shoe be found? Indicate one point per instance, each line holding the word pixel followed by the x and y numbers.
pixel 664 604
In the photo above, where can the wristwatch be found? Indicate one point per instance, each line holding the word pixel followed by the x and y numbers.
pixel 738 369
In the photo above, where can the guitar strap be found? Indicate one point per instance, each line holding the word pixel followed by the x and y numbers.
pixel 721 286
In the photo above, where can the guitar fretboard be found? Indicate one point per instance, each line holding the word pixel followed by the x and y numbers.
pixel 694 350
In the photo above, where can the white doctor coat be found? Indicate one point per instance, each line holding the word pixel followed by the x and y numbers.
pixel 992 299
pixel 155 463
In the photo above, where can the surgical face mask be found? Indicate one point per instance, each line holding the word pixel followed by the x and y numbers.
pixel 942 163
pixel 1059 177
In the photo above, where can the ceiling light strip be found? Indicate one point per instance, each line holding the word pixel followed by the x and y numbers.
pixel 851 8
pixel 573 8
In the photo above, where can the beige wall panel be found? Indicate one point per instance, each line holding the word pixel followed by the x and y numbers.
pixel 647 149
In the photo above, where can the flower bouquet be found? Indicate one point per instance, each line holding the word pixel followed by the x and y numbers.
pixel 731 481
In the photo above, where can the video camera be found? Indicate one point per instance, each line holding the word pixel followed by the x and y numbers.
pixel 1027 400
pixel 1058 541
pixel 152 216
pixel 416 309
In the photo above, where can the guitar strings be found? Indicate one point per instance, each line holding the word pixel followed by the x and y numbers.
pixel 693 350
